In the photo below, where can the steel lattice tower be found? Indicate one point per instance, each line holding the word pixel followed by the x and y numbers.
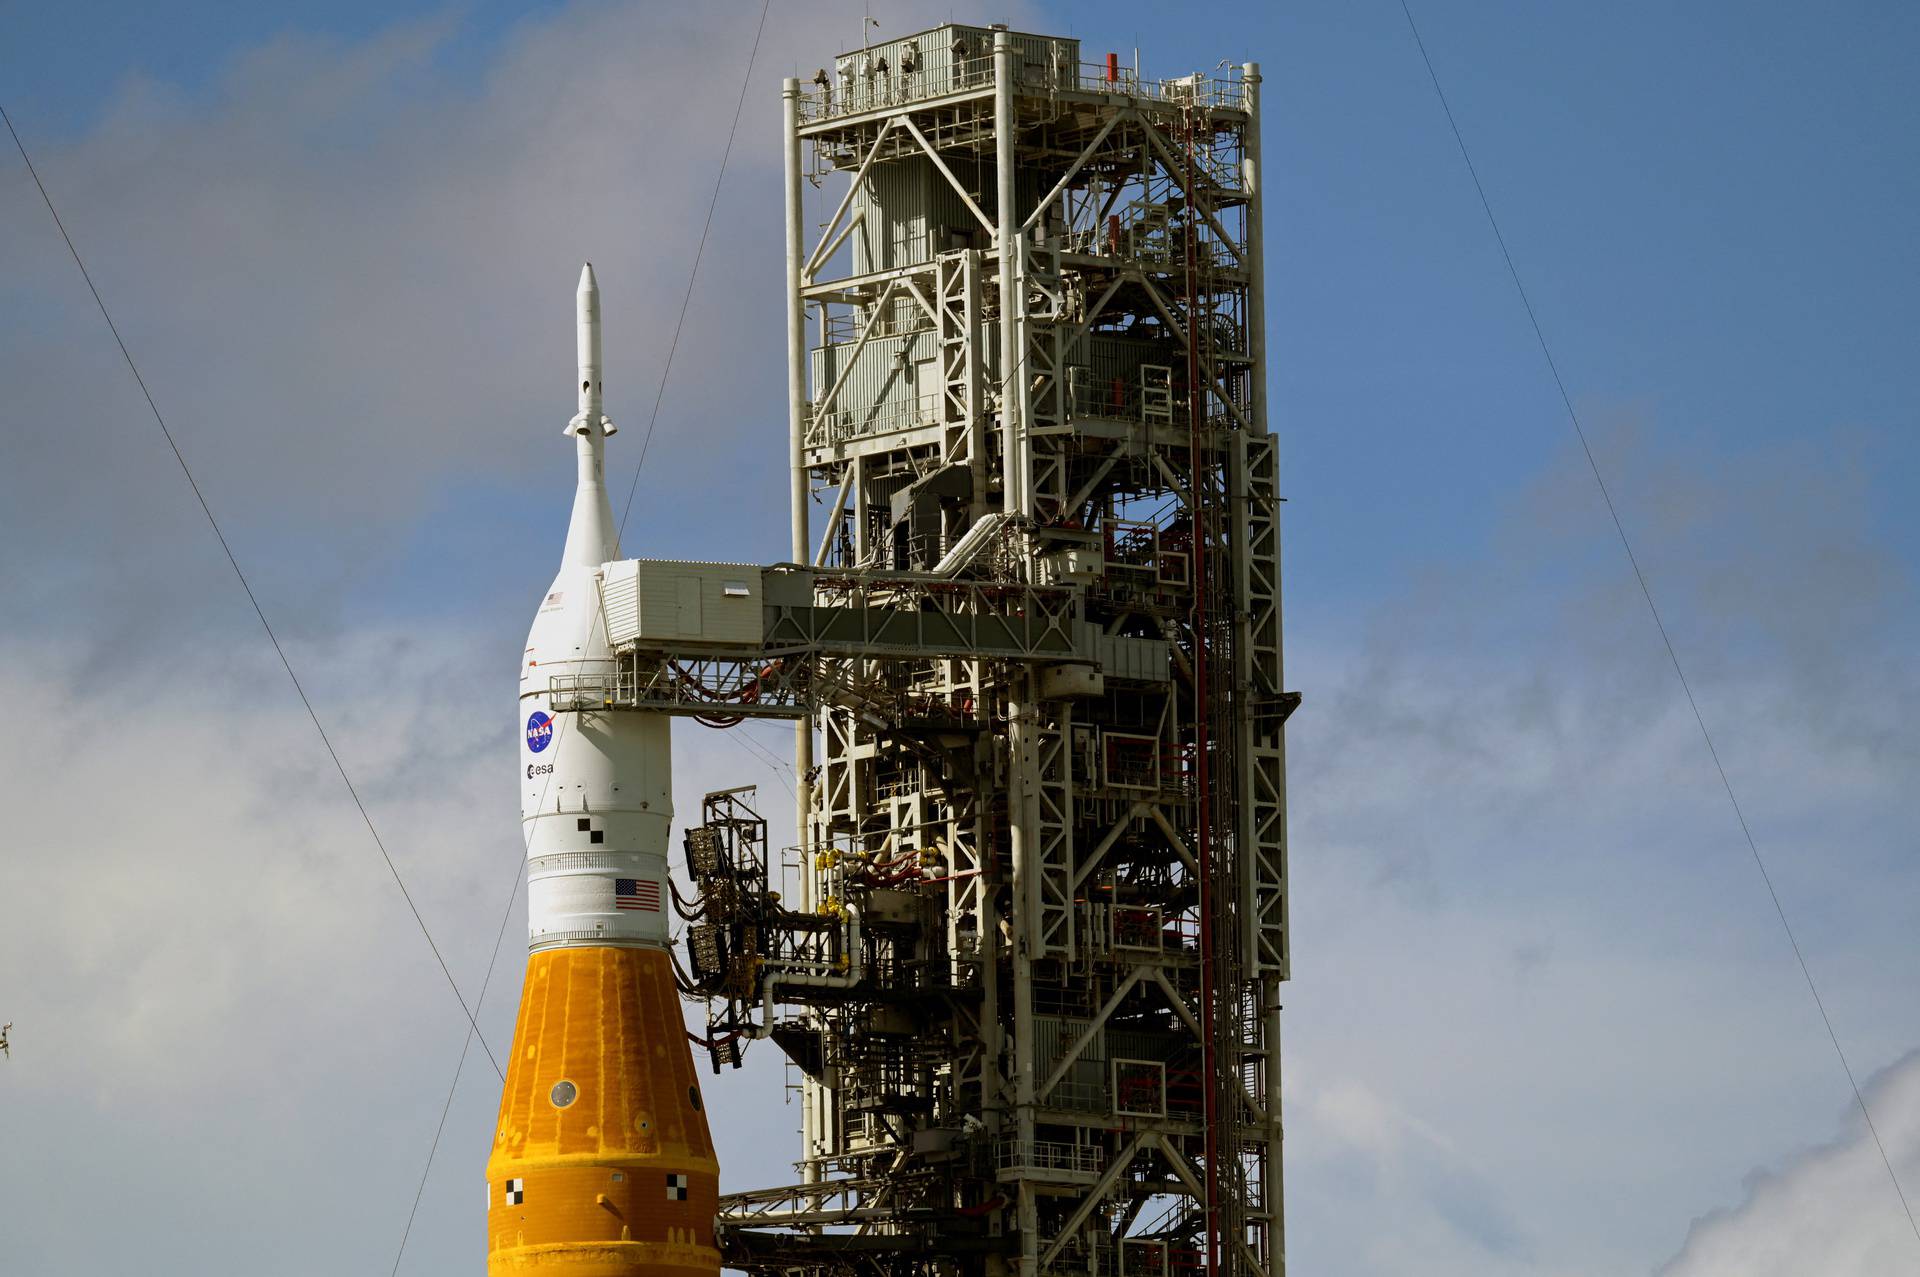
pixel 1027 957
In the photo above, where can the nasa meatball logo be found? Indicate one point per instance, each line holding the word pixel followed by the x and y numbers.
pixel 539 731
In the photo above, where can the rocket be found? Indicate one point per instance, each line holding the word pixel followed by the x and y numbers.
pixel 602 1164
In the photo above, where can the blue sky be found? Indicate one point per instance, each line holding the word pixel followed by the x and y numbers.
pixel 1692 192
pixel 1543 1018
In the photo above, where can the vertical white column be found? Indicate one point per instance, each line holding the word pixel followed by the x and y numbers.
pixel 1013 433
pixel 796 326
pixel 1275 1184
pixel 796 430
pixel 1023 784
pixel 810 1099
pixel 1023 780
pixel 1250 180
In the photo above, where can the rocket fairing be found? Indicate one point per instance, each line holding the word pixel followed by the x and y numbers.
pixel 602 1164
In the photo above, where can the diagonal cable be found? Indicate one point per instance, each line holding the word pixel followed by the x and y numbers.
pixel 693 274
pixel 247 587
pixel 466 1045
pixel 1653 610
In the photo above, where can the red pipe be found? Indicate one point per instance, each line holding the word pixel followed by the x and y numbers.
pixel 1203 834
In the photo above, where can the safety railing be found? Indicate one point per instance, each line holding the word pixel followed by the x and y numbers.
pixel 1051 1155
pixel 903 315
pixel 1155 245
pixel 842 424
pixel 871 81
pixel 1187 90
pixel 1078 1097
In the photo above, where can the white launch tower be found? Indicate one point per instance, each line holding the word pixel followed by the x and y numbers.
pixel 1027 956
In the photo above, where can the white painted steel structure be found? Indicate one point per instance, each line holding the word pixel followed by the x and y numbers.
pixel 1027 347
pixel 1026 957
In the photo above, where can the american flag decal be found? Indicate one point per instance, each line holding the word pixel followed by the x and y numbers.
pixel 636 893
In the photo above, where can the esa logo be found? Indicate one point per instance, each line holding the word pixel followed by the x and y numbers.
pixel 539 769
pixel 539 731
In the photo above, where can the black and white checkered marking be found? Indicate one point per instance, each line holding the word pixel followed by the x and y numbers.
pixel 516 1191
pixel 593 835
pixel 676 1188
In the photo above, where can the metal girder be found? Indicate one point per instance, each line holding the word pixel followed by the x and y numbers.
pixel 859 344
pixel 1008 792
pixel 1174 166
pixel 906 122
pixel 816 622
pixel 1073 170
pixel 828 247
pixel 1087 1035
pixel 1174 839
pixel 854 119
pixel 1091 860
pixel 833 518
pixel 1185 339
pixel 928 634
pixel 823 250
pixel 824 1202
pixel 857 290
pixel 1101 1187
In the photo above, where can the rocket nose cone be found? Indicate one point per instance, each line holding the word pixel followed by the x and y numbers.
pixel 588 284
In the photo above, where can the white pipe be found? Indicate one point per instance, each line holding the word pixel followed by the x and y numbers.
pixel 1251 178
pixel 796 434
pixel 1012 435
pixel 804 976
pixel 968 547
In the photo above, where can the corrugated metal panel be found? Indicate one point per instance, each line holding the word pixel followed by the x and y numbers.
pixel 1053 1034
pixel 1143 659
pixel 883 390
pixel 912 213
pixel 1140 1044
pixel 1121 356
pixel 656 600
pixel 619 600
pixel 933 56
pixel 1084 1085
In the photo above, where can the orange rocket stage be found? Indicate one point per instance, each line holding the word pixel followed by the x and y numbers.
pixel 602 1165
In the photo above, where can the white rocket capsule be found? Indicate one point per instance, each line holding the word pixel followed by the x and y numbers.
pixel 596 787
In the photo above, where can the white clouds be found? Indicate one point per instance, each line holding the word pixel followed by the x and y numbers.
pixel 208 974
pixel 1830 1210
pixel 209 967
pixel 198 864
pixel 1541 1014
pixel 1541 1006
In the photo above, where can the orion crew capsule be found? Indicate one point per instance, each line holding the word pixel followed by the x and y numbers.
pixel 602 1165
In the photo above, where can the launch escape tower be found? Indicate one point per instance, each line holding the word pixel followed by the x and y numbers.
pixel 1027 954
